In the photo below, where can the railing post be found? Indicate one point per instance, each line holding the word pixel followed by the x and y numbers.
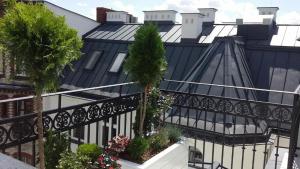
pixel 59 106
pixel 294 130
pixel 120 90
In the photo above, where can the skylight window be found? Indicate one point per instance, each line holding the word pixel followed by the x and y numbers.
pixel 118 62
pixel 93 60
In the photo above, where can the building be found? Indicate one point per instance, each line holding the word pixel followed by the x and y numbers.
pixel 250 54
pixel 13 81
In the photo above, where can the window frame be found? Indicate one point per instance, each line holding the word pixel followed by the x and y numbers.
pixel 95 58
pixel 114 64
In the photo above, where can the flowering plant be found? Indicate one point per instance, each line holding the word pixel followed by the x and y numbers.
pixel 118 144
pixel 105 161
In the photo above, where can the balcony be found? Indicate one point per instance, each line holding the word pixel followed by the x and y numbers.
pixel 221 131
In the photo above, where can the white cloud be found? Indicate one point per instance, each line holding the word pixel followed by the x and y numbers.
pixel 228 10
pixel 82 4
pixel 92 13
pixel 290 17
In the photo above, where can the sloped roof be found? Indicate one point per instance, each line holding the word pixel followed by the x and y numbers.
pixel 273 63
pixel 224 63
pixel 285 35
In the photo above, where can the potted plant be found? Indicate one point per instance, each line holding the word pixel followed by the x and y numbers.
pixel 153 146
pixel 88 156
pixel 164 149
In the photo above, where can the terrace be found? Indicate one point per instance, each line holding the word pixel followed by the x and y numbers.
pixel 221 131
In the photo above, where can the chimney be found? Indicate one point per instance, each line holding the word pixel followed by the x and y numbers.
pixel 260 29
pixel 209 14
pixel 191 25
pixel 120 17
pixel 101 14
pixel 264 12
pixel 160 16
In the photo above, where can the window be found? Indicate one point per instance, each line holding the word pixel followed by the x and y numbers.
pixel 163 17
pixel 114 119
pixel 93 60
pixel 118 63
pixel 113 133
pixel 79 132
pixel 105 131
pixel 192 21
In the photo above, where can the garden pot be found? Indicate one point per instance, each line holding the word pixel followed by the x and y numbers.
pixel 173 157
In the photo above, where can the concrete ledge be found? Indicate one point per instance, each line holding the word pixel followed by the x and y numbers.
pixel 174 157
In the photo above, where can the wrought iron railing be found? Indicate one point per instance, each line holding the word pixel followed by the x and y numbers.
pixel 226 132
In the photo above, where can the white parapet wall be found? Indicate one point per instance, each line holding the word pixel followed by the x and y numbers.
pixel 174 157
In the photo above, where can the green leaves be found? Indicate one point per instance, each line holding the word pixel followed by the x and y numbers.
pixel 40 40
pixel 146 62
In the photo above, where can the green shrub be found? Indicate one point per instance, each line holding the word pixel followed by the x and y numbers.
pixel 70 160
pixel 90 150
pixel 174 134
pixel 55 145
pixel 160 140
pixel 137 147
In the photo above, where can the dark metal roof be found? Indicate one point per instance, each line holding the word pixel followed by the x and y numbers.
pixel 266 64
pixel 285 35
pixel 224 63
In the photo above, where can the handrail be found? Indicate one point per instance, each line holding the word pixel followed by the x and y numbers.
pixel 229 86
pixel 67 92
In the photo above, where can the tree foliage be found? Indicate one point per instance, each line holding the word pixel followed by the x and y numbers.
pixel 146 63
pixel 55 145
pixel 42 44
pixel 40 41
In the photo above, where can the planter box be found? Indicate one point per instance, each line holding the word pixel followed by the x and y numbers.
pixel 174 157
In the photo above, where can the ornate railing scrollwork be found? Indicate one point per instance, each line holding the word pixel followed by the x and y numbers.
pixel 24 129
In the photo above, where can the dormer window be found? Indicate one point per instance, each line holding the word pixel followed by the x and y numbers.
pixel 118 62
pixel 95 57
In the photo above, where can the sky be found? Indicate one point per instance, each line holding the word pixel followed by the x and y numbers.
pixel 228 10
